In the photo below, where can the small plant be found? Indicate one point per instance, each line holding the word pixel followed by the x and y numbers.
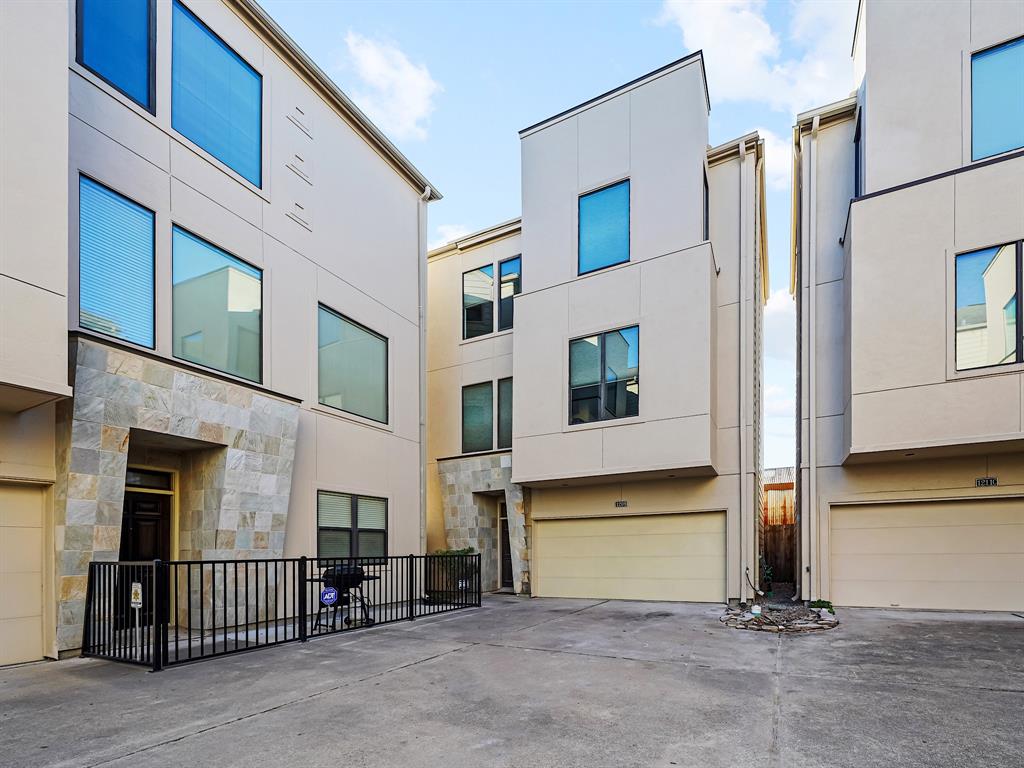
pixel 463 551
pixel 823 604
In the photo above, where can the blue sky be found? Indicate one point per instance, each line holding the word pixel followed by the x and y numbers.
pixel 452 83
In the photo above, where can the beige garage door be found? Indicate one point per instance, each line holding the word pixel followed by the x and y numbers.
pixel 655 557
pixel 21 573
pixel 964 555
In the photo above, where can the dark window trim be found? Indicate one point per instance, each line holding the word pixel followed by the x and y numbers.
pixel 497 293
pixel 601 381
pixel 387 367
pixel 707 207
pixel 629 227
pixel 1019 295
pixel 858 160
pixel 151 57
pixel 79 260
pixel 981 52
pixel 355 530
pixel 493 302
pixel 497 421
pixel 462 417
pixel 245 61
pixel 263 308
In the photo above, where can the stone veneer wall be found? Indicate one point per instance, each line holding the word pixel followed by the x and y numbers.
pixel 235 472
pixel 469 522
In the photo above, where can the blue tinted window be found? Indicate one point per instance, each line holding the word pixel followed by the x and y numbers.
pixel 115 264
pixel 114 42
pixel 216 98
pixel 604 227
pixel 997 100
pixel 511 273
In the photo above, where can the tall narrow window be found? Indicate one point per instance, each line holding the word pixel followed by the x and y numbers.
pixel 217 307
pixel 604 376
pixel 988 322
pixel 997 100
pixel 505 413
pixel 115 41
pixel 858 160
pixel 707 209
pixel 216 97
pixel 351 526
pixel 478 302
pixel 604 227
pixel 115 264
pixel 353 367
pixel 478 417
pixel 511 275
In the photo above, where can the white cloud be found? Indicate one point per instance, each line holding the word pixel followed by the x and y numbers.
pixel 778 401
pixel 445 233
pixel 743 54
pixel 396 94
pixel 778 159
pixel 780 326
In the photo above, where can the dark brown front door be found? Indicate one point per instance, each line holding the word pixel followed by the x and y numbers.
pixel 506 556
pixel 146 526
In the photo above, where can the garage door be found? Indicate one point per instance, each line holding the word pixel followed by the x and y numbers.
pixel 21 573
pixel 966 555
pixel 655 557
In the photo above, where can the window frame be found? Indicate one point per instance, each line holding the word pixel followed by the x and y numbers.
pixel 387 366
pixel 496 326
pixel 707 207
pixel 970 106
pixel 497 293
pixel 462 306
pixel 462 417
pixel 354 530
pixel 601 381
pixel 629 225
pixel 263 307
pixel 497 420
pixel 1018 295
pixel 78 287
pixel 261 186
pixel 151 57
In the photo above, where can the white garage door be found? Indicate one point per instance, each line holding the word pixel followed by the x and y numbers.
pixel 650 557
pixel 962 555
pixel 21 573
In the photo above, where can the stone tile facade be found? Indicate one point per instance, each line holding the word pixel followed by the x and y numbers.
pixel 235 448
pixel 469 521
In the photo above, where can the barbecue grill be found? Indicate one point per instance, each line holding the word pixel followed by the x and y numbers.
pixel 347 579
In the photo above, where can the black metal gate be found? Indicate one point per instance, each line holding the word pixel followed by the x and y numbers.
pixel 160 613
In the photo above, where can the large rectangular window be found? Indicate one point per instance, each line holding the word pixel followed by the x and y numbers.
pixel 478 302
pixel 216 97
pixel 511 275
pixel 115 42
pixel 478 417
pixel 988 307
pixel 351 526
pixel 115 264
pixel 353 367
pixel 505 413
pixel 217 307
pixel 997 100
pixel 604 227
pixel 604 376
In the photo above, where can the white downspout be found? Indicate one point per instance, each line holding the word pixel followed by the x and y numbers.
pixel 744 562
pixel 812 378
pixel 421 214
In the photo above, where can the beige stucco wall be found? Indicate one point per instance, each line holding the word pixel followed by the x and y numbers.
pixel 886 417
pixel 317 236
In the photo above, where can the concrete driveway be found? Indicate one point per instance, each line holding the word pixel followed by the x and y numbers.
pixel 537 683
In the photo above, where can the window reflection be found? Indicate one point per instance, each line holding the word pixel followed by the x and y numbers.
pixel 604 376
pixel 986 307
pixel 478 302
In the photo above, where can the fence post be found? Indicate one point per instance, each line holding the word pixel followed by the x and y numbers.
pixel 478 582
pixel 411 603
pixel 89 597
pixel 303 597
pixel 157 622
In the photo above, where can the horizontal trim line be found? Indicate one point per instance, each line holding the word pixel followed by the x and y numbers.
pixel 474 455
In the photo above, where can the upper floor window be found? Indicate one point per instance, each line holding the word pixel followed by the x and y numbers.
pixel 604 227
pixel 353 367
pixel 604 376
pixel 216 97
pixel 478 417
pixel 217 307
pixel 115 41
pixel 115 264
pixel 707 209
pixel 997 100
pixel 988 307
pixel 478 297
pixel 351 526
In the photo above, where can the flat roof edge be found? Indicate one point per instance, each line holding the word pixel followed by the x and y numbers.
pixel 495 232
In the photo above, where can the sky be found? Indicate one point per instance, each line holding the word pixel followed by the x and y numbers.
pixel 452 84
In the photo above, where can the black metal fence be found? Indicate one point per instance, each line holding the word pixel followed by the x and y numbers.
pixel 161 613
